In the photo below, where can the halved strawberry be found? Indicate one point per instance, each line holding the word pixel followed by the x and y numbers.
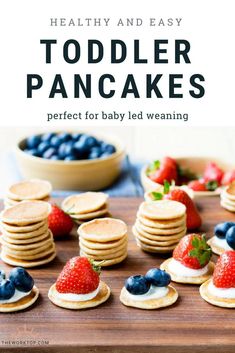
pixel 79 276
pixel 164 170
pixel 197 185
pixel 224 273
pixel 193 251
pixel 213 173
pixel 59 222
pixel 194 220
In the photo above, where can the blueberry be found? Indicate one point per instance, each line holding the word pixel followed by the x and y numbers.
pixel 158 278
pixel 55 157
pixel 2 275
pixel 137 285
pixel 95 152
pixel 48 136
pixel 42 147
pixel 64 136
pixel 7 289
pixel 70 158
pixel 33 141
pixel 230 237
pixel 62 150
pixel 33 152
pixel 55 141
pixel 105 154
pixel 110 148
pixel 221 229
pixel 76 136
pixel 21 279
pixel 49 153
pixel 82 149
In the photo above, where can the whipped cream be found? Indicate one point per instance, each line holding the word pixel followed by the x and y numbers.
pixel 78 297
pixel 17 296
pixel 179 269
pixel 221 292
pixel 221 243
pixel 153 293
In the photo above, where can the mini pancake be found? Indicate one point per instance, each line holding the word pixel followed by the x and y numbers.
pixel 109 256
pixel 26 248
pixel 23 229
pixel 80 222
pixel 86 202
pixel 161 224
pixel 227 201
pixel 159 237
pixel 10 202
pixel 153 231
pixel 217 301
pixel 229 192
pixel 162 210
pixel 154 243
pixel 155 249
pixel 150 304
pixel 91 215
pixel 188 280
pixel 21 304
pixel 34 189
pixel 102 252
pixel 101 297
pixel 29 235
pixel 27 263
pixel 24 241
pixel 103 230
pixel 114 261
pixel 26 212
pixel 103 246
pixel 40 254
pixel 215 248
pixel 227 206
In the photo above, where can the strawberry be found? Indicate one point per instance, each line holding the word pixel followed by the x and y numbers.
pixel 59 222
pixel 228 177
pixel 79 276
pixel 213 173
pixel 224 273
pixel 161 171
pixel 193 217
pixel 193 251
pixel 197 185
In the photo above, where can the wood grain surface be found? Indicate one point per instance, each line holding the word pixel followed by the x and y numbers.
pixel 191 325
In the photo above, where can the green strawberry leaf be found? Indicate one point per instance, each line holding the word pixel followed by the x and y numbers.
pixel 212 185
pixel 166 187
pixel 153 166
pixel 195 242
pixel 156 195
pixel 201 250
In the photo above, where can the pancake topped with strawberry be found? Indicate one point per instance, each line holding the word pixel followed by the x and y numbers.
pixel 191 260
pixel 220 290
pixel 78 286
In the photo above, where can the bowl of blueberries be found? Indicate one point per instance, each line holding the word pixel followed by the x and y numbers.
pixel 71 161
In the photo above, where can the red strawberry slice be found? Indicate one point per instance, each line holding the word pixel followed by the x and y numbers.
pixel 224 273
pixel 197 185
pixel 194 220
pixel 163 171
pixel 59 222
pixel 193 251
pixel 213 173
pixel 79 276
pixel 228 177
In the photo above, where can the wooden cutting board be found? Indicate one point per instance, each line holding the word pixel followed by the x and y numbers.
pixel 191 325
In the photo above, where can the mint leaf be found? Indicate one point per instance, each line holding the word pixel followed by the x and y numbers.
pixel 156 195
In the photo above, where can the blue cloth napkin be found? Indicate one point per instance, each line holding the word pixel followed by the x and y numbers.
pixel 127 185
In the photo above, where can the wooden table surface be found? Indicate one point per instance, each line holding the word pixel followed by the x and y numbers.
pixel 191 325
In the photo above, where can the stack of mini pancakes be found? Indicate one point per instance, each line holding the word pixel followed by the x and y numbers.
pixel 26 240
pixel 86 206
pixel 104 240
pixel 27 190
pixel 160 225
pixel 227 198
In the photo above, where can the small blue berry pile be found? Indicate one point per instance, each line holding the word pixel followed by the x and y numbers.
pixel 68 147
pixel 19 279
